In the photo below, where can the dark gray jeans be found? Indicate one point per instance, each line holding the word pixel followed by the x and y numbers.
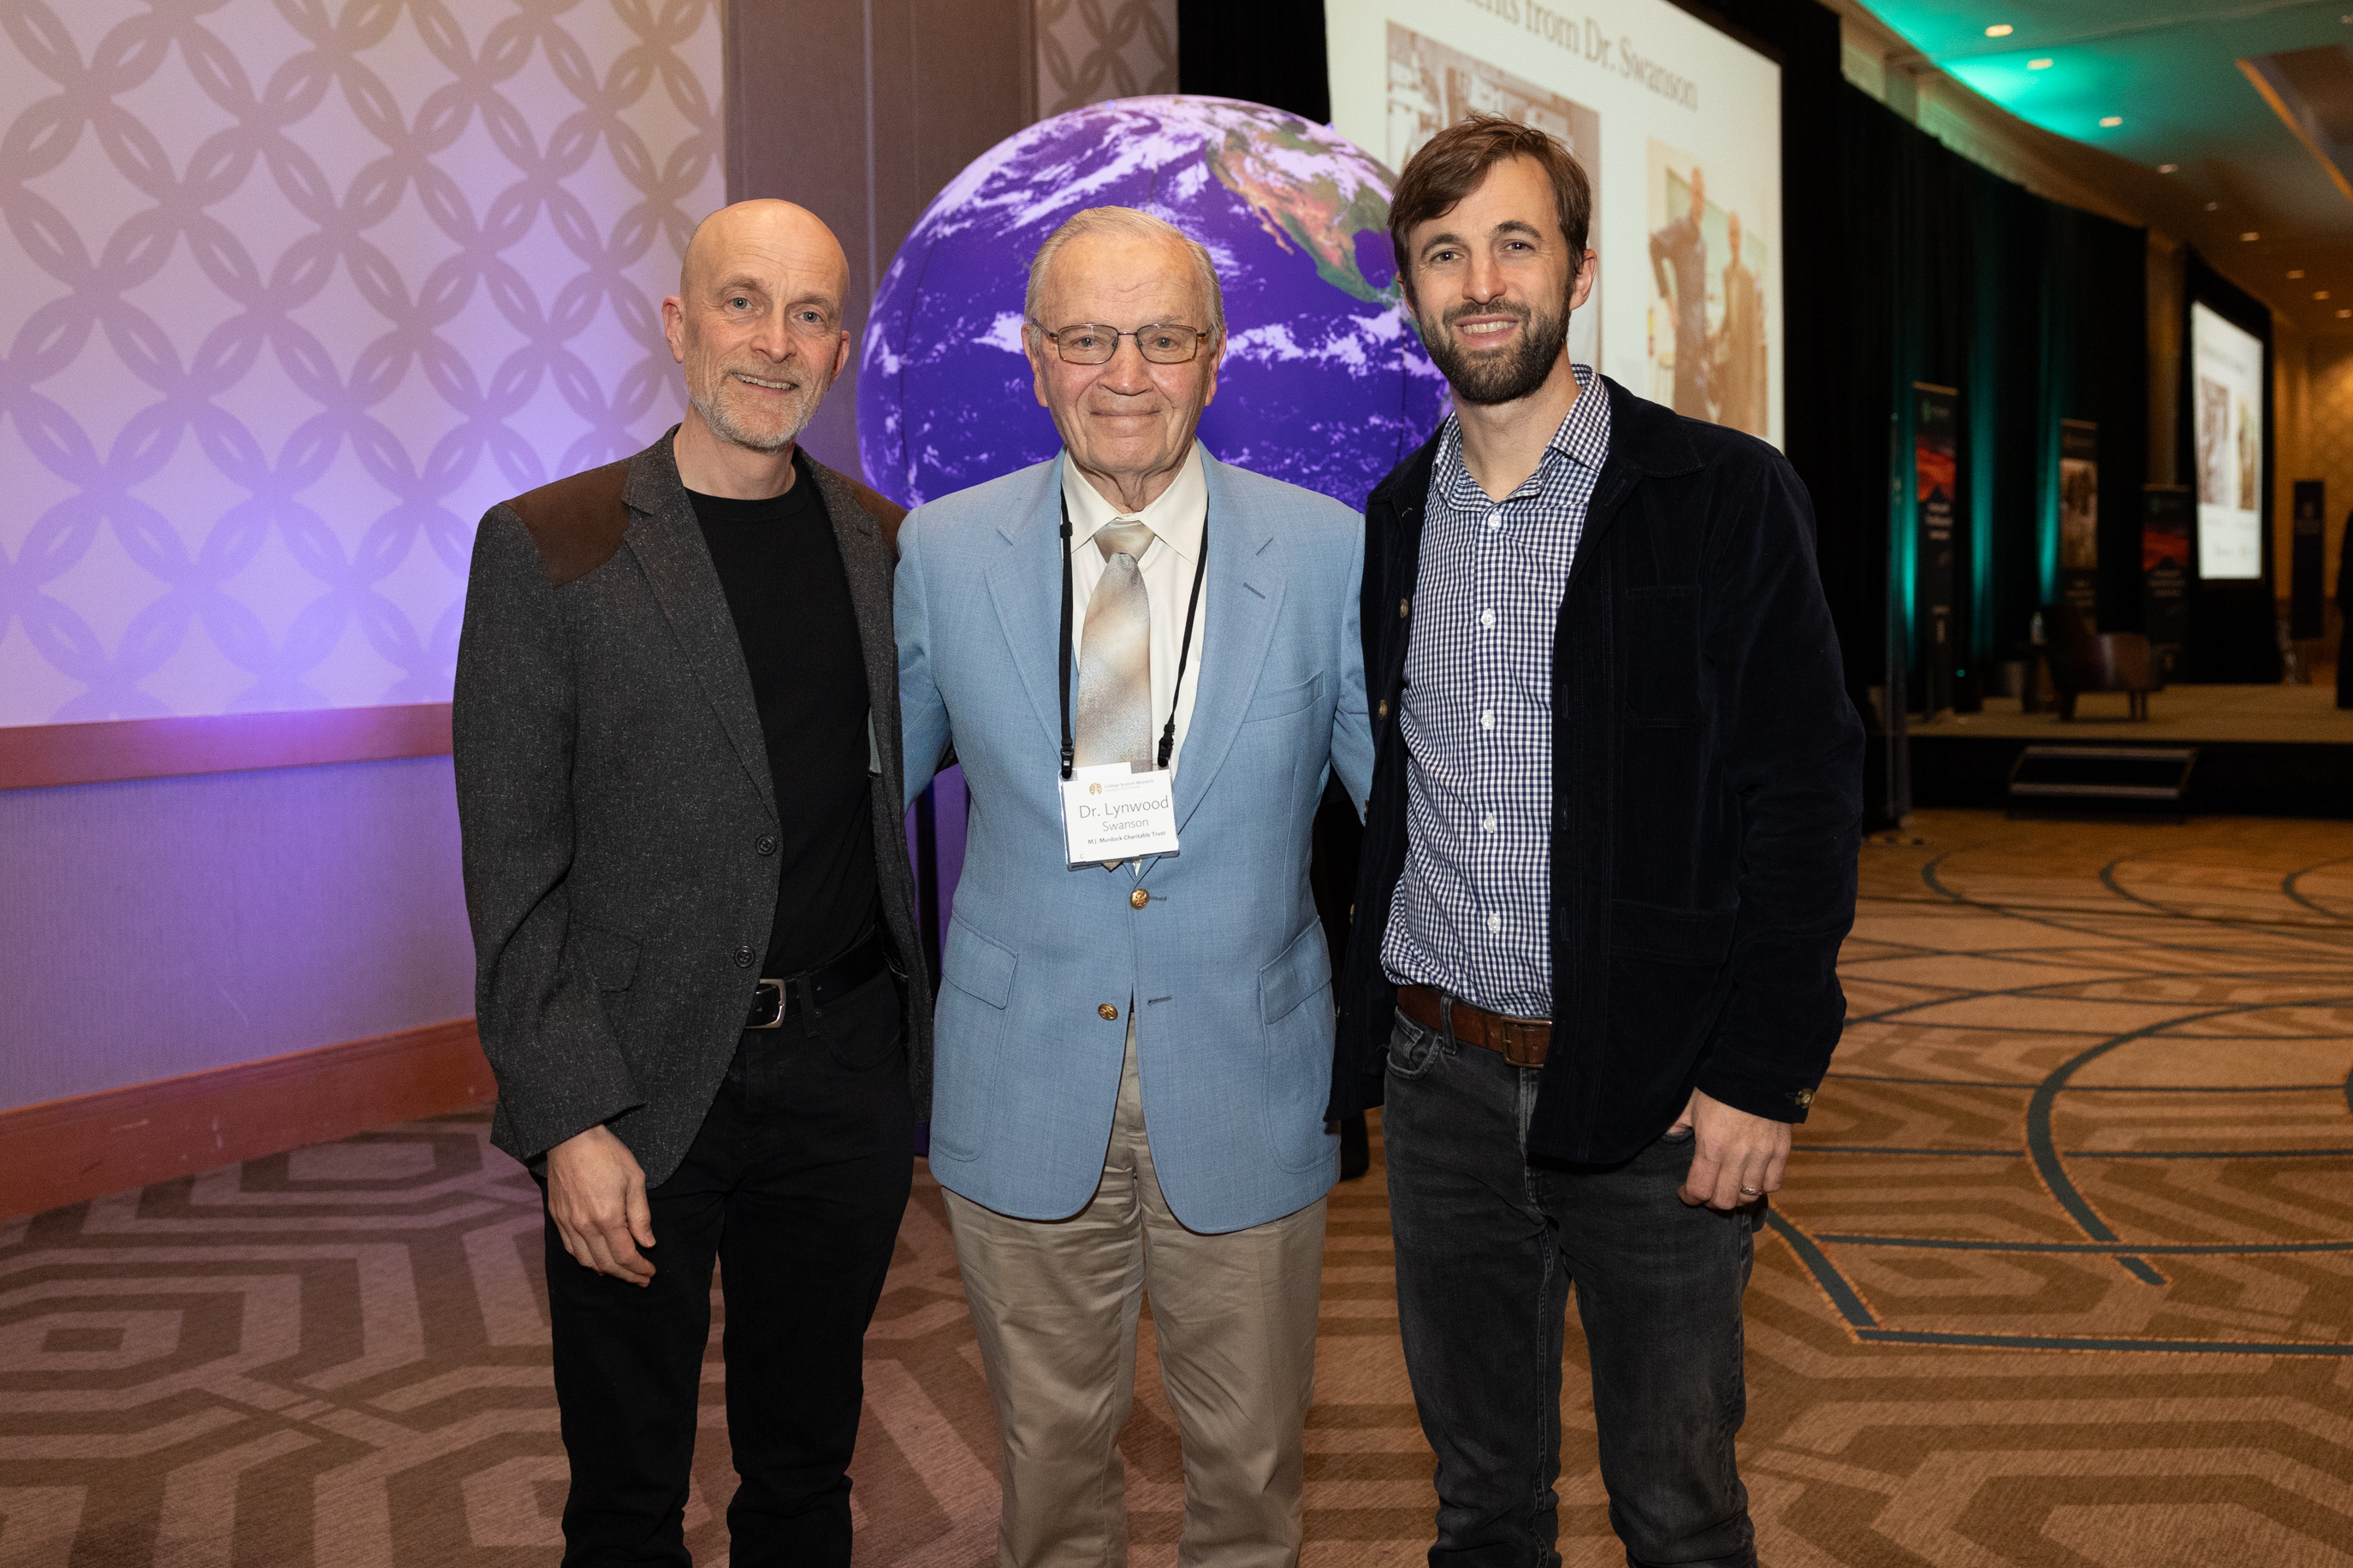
pixel 1487 1247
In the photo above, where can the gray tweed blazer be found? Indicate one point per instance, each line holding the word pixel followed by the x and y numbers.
pixel 612 784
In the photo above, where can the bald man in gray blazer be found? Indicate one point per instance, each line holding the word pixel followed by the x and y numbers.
pixel 677 746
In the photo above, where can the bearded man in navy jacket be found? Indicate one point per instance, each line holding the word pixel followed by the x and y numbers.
pixel 1609 856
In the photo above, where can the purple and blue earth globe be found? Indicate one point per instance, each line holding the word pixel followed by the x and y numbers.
pixel 1324 383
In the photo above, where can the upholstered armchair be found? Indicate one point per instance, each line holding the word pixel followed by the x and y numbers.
pixel 2085 660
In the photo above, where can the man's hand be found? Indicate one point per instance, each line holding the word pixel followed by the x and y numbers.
pixel 1737 1158
pixel 596 1195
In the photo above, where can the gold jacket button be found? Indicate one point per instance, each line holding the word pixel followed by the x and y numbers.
pixel 1804 1097
pixel 1385 708
pixel 1403 605
pixel 1109 1014
pixel 1138 899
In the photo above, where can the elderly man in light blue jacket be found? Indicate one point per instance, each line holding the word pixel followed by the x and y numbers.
pixel 1133 1049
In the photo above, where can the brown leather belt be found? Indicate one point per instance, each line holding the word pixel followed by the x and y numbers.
pixel 1523 1042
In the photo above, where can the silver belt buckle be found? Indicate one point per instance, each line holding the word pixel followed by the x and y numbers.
pixel 767 1010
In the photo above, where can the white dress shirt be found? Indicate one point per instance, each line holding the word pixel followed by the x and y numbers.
pixel 1177 520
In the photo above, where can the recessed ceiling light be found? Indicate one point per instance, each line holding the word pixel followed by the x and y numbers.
pixel 2320 294
pixel 2343 314
pixel 2041 65
pixel 1999 30
pixel 2298 273
pixel 2107 120
pixel 2169 168
pixel 2251 235
pixel 2214 206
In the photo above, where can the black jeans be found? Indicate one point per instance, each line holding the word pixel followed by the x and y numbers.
pixel 796 1181
pixel 1487 1247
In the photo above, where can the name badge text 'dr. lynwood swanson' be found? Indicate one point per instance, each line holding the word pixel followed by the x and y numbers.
pixel 1112 813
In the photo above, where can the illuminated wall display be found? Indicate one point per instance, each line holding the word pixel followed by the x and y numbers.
pixel 2226 411
pixel 1679 127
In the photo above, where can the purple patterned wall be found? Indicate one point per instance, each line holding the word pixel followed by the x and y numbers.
pixel 290 291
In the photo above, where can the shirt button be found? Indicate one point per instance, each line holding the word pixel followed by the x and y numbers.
pixel 1495 922
pixel 1107 1012
pixel 743 957
pixel 1488 719
pixel 1489 823
pixel 1138 899
pixel 1486 617
pixel 766 845
pixel 1495 519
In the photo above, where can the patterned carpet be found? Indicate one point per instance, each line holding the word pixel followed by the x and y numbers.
pixel 2062 1276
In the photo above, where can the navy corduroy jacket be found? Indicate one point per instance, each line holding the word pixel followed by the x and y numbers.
pixel 1707 792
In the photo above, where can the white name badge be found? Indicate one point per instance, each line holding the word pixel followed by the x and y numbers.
pixel 1111 813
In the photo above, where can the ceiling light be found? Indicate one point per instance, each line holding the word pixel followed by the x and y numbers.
pixel 2109 121
pixel 2343 314
pixel 2042 65
pixel 1999 30
pixel 2320 294
pixel 2169 168
pixel 2250 236
pixel 2298 273
pixel 2214 206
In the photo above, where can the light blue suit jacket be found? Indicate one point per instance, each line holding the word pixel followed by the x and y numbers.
pixel 1226 964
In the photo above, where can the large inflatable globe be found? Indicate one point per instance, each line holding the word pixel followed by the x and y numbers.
pixel 1324 383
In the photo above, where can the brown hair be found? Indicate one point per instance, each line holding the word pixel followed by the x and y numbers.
pixel 1452 163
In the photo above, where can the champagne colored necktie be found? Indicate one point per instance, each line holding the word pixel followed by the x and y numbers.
pixel 1114 719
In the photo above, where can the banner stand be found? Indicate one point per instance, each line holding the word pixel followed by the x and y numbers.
pixel 2079 517
pixel 2167 512
pixel 1936 488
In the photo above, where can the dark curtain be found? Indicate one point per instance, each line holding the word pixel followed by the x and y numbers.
pixel 1262 51
pixel 2035 312
pixel 2111 357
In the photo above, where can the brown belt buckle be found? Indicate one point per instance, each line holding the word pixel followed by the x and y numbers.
pixel 1521 1044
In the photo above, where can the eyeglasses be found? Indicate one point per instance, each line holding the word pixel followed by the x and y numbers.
pixel 1091 342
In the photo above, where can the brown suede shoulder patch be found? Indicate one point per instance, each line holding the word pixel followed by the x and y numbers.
pixel 577 522
pixel 882 509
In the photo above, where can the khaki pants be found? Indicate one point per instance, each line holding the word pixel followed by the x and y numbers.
pixel 1056 1303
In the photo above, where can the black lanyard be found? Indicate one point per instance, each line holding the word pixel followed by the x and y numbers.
pixel 1184 648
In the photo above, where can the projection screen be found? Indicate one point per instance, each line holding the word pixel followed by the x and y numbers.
pixel 1678 126
pixel 2226 390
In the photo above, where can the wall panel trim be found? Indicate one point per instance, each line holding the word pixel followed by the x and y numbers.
pixel 65 1150
pixel 37 756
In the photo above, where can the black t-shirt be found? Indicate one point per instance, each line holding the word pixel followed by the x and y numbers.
pixel 782 573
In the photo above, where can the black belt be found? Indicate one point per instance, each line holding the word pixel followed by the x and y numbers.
pixel 813 989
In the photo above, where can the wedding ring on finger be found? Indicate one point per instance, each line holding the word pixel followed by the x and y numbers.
pixel 1752 1192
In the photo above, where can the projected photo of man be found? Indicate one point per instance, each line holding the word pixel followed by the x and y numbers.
pixel 1739 369
pixel 2213 437
pixel 1679 262
pixel 2244 428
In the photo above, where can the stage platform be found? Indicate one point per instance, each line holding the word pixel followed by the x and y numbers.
pixel 2269 750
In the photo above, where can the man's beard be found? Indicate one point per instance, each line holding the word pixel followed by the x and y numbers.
pixel 726 424
pixel 1498 375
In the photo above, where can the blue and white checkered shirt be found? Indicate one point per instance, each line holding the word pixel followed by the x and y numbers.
pixel 1472 914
